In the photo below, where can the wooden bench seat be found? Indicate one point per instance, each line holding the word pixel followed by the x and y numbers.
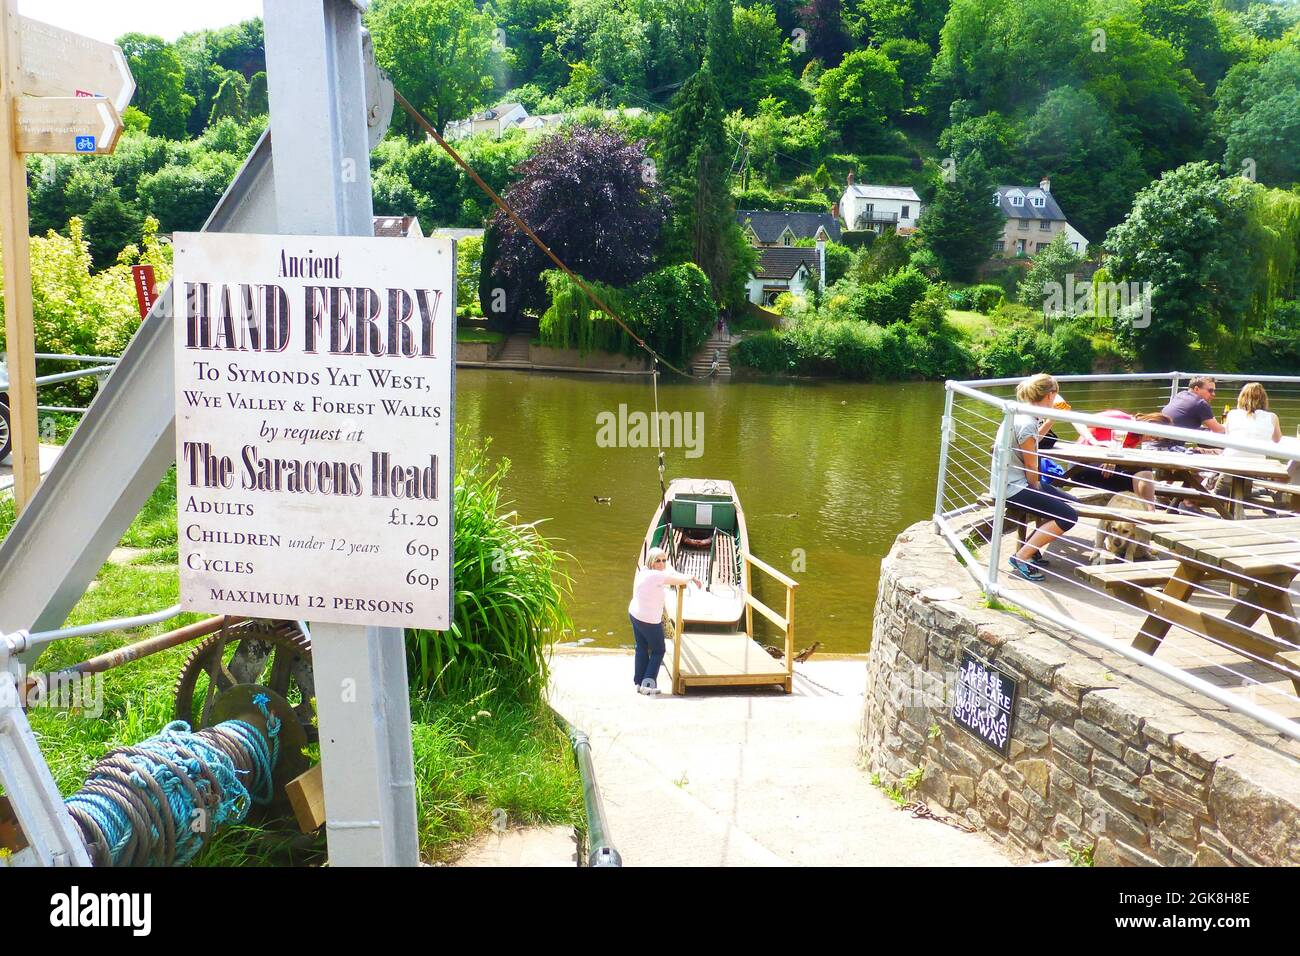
pixel 1265 649
pixel 1121 578
pixel 1289 494
pixel 1142 584
pixel 1016 518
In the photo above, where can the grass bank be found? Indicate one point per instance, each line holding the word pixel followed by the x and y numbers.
pixel 482 743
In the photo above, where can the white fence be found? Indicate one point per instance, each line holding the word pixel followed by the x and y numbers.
pixel 1169 565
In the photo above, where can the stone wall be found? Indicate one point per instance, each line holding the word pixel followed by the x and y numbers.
pixel 478 352
pixel 1104 753
pixel 572 358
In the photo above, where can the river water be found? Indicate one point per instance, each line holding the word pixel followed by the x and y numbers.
pixel 828 474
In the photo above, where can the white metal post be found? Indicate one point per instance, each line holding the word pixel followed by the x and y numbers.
pixel 1175 377
pixel 317 91
pixel 1001 467
pixel 945 436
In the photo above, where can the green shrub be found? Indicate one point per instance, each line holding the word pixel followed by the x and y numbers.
pixel 890 300
pixel 763 199
pixel 1020 348
pixel 857 238
pixel 847 348
pixel 977 298
pixel 510 589
pixel 1275 353
pixel 768 352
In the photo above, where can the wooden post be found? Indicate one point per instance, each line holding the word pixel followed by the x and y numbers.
pixel 678 686
pixel 749 610
pixel 789 639
pixel 20 337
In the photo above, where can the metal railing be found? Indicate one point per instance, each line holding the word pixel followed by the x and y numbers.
pixel 1185 563
pixel 599 846
pixel 100 365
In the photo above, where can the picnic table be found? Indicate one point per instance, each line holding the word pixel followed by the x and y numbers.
pixel 1184 467
pixel 1261 556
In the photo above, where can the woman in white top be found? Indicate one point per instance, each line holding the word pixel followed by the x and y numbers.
pixel 646 611
pixel 1252 421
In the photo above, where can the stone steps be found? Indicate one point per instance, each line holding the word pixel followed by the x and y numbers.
pixel 702 362
pixel 515 351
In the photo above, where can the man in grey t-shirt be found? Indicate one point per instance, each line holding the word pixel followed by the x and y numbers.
pixel 1191 409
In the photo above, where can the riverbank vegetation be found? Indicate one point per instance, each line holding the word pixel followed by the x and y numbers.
pixel 485 741
pixel 1168 131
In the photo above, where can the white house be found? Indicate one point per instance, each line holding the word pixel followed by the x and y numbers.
pixel 494 121
pixel 1033 220
pixel 792 269
pixel 507 116
pixel 866 206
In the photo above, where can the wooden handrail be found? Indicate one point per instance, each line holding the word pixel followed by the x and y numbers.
pixel 766 611
pixel 786 624
pixel 764 566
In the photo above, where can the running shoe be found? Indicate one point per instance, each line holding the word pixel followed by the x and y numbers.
pixel 1025 570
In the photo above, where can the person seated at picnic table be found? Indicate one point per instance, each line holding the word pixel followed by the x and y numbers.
pixel 1191 409
pixel 1252 421
pixel 1120 479
pixel 1024 487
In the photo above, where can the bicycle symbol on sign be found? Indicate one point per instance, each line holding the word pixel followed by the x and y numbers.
pixel 85 144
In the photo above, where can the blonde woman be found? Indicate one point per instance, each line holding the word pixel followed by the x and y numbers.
pixel 1252 421
pixel 1024 487
pixel 646 610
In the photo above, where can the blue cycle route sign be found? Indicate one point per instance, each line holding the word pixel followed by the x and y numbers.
pixel 85 144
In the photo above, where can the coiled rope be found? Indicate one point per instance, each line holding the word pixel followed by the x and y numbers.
pixel 156 803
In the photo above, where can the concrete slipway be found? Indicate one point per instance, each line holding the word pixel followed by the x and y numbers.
pixel 745 776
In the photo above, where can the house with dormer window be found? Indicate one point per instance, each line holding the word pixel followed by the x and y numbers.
pixel 772 227
pixel 1033 220
pixel 784 264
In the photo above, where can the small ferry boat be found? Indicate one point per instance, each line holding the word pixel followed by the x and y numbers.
pixel 702 527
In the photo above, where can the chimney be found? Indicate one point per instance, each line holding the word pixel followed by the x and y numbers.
pixel 850 179
pixel 1045 185
pixel 835 210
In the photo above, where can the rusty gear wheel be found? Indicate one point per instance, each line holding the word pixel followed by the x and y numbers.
pixel 273 654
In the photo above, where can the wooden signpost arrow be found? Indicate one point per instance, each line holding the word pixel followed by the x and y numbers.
pixel 55 62
pixel 59 93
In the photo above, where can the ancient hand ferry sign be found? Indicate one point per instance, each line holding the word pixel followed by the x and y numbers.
pixel 985 704
pixel 314 385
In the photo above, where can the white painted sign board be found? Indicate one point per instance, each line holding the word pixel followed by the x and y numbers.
pixel 66 124
pixel 57 62
pixel 314 391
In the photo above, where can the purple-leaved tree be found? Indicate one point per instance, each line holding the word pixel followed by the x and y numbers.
pixel 591 196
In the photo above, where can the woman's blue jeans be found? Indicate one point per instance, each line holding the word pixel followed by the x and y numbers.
pixel 649 651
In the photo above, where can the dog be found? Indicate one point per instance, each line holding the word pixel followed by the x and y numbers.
pixel 1119 538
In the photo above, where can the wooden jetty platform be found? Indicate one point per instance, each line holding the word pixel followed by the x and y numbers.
pixel 706 658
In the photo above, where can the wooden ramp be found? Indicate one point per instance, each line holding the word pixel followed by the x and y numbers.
pixel 733 658
pixel 722 660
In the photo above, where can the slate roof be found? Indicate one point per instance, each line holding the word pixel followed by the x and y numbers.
pixel 1050 209
pixel 769 224
pixel 782 262
pixel 872 191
